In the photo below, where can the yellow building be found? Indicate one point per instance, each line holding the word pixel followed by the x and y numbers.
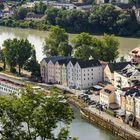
pixel 107 95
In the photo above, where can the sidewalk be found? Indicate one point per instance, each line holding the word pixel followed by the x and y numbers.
pixel 115 121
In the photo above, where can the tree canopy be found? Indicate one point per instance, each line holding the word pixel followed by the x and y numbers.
pixel 17 52
pixel 33 115
pixel 21 13
pixel 57 42
pixel 86 45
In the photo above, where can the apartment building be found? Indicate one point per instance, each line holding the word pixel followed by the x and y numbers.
pixel 125 78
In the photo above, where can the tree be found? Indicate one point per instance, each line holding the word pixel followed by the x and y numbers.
pixel 82 45
pixel 56 36
pixel 33 66
pixel 51 14
pixel 103 18
pixel 21 13
pixel 22 47
pixel 17 52
pixel 33 115
pixel 65 49
pixel 40 8
pixel 109 51
pixel 1 6
pixel 10 52
pixel 2 58
pixel 86 45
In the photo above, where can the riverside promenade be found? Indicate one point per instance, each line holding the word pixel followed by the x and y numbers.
pixel 103 119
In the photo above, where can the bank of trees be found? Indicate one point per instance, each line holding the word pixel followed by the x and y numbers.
pixel 34 116
pixel 101 19
pixel 82 46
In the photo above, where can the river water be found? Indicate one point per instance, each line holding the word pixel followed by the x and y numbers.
pixel 37 39
pixel 84 131
pixel 79 127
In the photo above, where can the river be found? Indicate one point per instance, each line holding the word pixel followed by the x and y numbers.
pixel 79 127
pixel 37 39
pixel 84 131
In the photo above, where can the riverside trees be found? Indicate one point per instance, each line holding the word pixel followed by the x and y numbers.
pixel 57 42
pixel 17 52
pixel 34 115
pixel 83 45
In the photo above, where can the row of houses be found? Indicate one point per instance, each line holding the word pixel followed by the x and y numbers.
pixel 123 92
pixel 71 72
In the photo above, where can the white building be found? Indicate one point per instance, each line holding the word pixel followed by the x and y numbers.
pixel 71 73
pixel 137 107
pixel 124 79
pixel 44 69
pixel 8 87
pixel 50 72
pixel 84 74
pixel 60 74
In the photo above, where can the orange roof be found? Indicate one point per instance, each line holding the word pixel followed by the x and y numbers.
pixel 108 90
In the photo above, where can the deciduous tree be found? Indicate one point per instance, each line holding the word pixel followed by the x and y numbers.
pixel 33 116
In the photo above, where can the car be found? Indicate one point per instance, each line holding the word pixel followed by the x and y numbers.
pixel 84 96
pixel 92 103
pixel 86 99
pixel 93 106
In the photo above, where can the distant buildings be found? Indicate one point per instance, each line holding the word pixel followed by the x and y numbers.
pixel 135 55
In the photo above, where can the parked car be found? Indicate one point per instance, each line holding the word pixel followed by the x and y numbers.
pixel 92 102
pixel 82 96
pixel 93 106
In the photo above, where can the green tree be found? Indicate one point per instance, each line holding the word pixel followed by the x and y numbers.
pixel 2 58
pixel 86 45
pixel 33 115
pixel 109 51
pixel 1 6
pixel 51 14
pixel 65 49
pixel 55 36
pixel 103 18
pixel 10 52
pixel 40 8
pixel 23 52
pixel 33 66
pixel 82 45
pixel 17 52
pixel 21 13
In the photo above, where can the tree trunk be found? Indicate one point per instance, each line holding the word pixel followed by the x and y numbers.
pixel 19 70
pixel 4 65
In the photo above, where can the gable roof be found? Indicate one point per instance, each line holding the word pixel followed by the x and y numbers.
pixel 64 61
pixel 117 66
pixel 133 92
pixel 89 63
pixel 108 90
pixel 54 59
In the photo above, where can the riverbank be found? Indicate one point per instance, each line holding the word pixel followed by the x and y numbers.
pixel 104 120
